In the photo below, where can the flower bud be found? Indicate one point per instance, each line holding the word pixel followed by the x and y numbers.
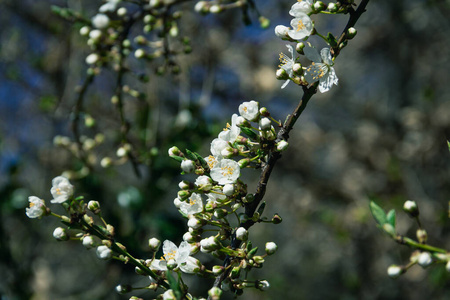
pixel 94 206
pixel 217 270
pixel 235 272
pixel 282 145
pixel 422 236
pixel 188 166
pixel 319 6
pixel 103 252
pixel 174 151
pixel 154 244
pixel 332 7
pixel 84 31
pixel 241 234
pixel 194 223
pixel 60 234
pixel 271 248
pixel 123 288
pixel 276 219
pixel 299 48
pixel 244 162
pixel 425 259
pixel 122 11
pixel 411 208
pixel 281 31
pixel 351 33
pixel 447 266
pixel 100 21
pixel 228 189
pixel 395 271
pixel 281 74
pixel 263 285
pixel 215 9
pixel 88 242
pixel 92 58
pixel 215 293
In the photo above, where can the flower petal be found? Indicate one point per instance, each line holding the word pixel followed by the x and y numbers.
pixel 327 81
pixel 326 56
pixel 312 54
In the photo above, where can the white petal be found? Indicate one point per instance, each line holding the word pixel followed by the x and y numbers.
pixel 169 247
pixel 190 266
pixel 312 54
pixel 327 81
pixel 326 56
pixel 285 84
pixel 183 252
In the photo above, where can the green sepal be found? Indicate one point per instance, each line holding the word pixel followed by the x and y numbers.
pixel 390 217
pixel 174 286
pixel 252 253
pixel 177 158
pixel 248 132
pixel 331 40
pixel 261 208
pixel 191 155
pixel 249 246
pixel 202 161
pixel 378 213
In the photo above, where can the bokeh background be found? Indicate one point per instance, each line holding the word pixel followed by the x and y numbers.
pixel 381 135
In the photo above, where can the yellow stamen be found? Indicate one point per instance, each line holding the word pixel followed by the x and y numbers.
pixel 170 255
pixel 300 25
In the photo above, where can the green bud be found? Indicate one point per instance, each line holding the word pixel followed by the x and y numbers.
pixel 351 33
pixel 299 48
pixel 264 22
pixel 276 219
pixel 422 236
pixel 235 272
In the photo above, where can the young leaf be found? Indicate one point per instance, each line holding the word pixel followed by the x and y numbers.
pixel 378 213
pixel 190 155
pixel 390 217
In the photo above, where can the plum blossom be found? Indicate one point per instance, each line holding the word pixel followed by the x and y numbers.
pixel 61 189
pixel 193 205
pixel 287 64
pixel 302 26
pixel 179 256
pixel 231 132
pixel 36 209
pixel 302 6
pixel 249 110
pixel 321 68
pixel 226 171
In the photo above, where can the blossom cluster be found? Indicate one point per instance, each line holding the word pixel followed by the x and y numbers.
pixel 302 27
pixel 212 203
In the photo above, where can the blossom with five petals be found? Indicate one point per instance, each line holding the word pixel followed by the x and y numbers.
pixel 179 256
pixel 321 68
pixel 61 189
pixel 287 64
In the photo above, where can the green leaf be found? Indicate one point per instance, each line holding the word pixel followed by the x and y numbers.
pixel 390 217
pixel 448 143
pixel 173 283
pixel 378 213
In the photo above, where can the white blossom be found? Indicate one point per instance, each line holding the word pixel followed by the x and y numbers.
pixel 193 205
pixel 287 64
pixel 302 6
pixel 226 171
pixel 217 145
pixel 211 160
pixel 249 110
pixel 321 68
pixel 61 189
pixel 36 207
pixel 302 26
pixel 231 132
pixel 178 255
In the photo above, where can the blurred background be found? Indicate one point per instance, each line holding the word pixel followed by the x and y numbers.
pixel 380 135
